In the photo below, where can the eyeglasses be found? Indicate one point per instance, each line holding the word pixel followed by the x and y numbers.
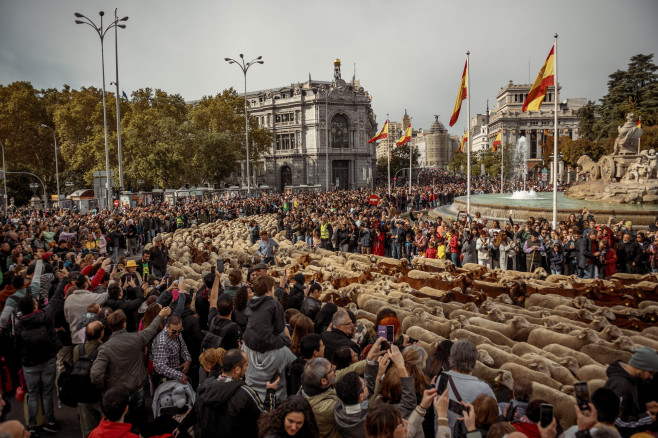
pixel 175 332
pixel 331 370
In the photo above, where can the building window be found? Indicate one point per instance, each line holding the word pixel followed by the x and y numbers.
pixel 285 142
pixel 285 118
pixel 339 131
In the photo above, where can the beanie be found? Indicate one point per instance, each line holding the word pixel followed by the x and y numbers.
pixel 299 278
pixel 646 359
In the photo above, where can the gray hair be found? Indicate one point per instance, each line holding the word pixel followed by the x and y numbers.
pixel 339 317
pixel 463 356
pixel 314 371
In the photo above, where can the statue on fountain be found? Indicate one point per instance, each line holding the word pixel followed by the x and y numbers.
pixel 628 175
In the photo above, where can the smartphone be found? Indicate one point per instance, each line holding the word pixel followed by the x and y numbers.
pixel 546 415
pixel 220 265
pixel 387 332
pixel 441 384
pixel 412 340
pixel 275 376
pixel 582 395
pixel 360 328
pixel 456 407
pixel 181 279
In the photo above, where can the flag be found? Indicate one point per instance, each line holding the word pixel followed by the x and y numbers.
pixel 464 140
pixel 545 78
pixel 461 95
pixel 383 133
pixel 124 95
pixel 547 133
pixel 497 140
pixel 639 123
pixel 405 137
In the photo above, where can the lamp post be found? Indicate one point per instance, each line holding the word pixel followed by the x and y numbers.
pixel 101 34
pixel 244 67
pixel 56 165
pixel 45 197
pixel 4 178
pixel 116 55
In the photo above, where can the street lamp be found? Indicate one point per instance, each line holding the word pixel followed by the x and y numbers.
pixel 45 196
pixel 56 165
pixel 116 55
pixel 101 34
pixel 4 177
pixel 244 67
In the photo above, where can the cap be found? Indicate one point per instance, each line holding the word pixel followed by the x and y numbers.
pixel 646 359
pixel 157 238
pixel 46 255
pixel 131 264
pixel 299 278
pixel 259 266
pixel 152 277
pixel 629 223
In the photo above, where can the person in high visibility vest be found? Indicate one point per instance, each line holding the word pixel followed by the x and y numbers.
pixel 326 231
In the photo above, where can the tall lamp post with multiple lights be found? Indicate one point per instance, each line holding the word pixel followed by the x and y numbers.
pixel 101 31
pixel 116 54
pixel 43 125
pixel 244 67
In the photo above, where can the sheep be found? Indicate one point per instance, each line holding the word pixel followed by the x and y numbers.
pixel 644 341
pixel 605 355
pixel 441 327
pixel 491 375
pixel 589 372
pixel 563 404
pixel 485 357
pixel 561 350
pixel 545 301
pixel 556 370
pixel 509 330
pixel 495 337
pixel 476 339
pixel 653 330
pixel 424 335
pixel 519 371
pixel 501 357
pixel 540 337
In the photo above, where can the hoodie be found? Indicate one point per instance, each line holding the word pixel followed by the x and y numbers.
pixel 262 367
pixel 265 324
pixel 110 429
pixel 227 408
pixel 633 417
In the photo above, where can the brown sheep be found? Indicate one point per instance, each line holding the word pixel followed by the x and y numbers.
pixel 563 404
pixel 540 337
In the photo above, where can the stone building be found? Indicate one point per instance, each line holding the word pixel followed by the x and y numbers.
pixel 305 118
pixel 515 123
pixel 437 144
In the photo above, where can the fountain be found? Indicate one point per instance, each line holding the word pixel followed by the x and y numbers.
pixel 623 184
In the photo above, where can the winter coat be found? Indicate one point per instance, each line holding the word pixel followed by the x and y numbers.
pixel 295 297
pixel 468 251
pixel 311 307
pixel 110 429
pixel 555 260
pixel 265 324
pixel 633 414
pixel 334 339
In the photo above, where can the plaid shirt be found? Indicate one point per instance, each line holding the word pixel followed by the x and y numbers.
pixel 168 355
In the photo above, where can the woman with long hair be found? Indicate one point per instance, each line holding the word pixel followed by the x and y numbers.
pixel 293 417
pixel 242 297
pixel 301 325
pixel 485 408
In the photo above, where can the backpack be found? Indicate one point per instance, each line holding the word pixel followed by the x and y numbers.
pixel 212 340
pixel 74 384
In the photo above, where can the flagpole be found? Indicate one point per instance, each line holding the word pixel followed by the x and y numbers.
pixel 468 116
pixel 555 134
pixel 502 157
pixel 639 139
pixel 388 154
pixel 410 155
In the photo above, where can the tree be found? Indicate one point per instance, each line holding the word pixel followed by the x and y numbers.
pixel 587 115
pixel 399 160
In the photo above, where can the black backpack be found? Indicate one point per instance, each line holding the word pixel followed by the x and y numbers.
pixel 212 340
pixel 74 384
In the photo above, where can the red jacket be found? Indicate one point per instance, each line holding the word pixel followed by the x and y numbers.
pixel 95 280
pixel 110 429
pixel 430 253
pixel 610 262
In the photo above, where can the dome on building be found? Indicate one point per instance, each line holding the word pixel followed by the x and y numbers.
pixel 437 127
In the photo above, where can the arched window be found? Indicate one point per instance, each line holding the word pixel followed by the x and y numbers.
pixel 339 132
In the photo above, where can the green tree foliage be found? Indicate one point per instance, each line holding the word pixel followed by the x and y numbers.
pixel 399 160
pixel 491 160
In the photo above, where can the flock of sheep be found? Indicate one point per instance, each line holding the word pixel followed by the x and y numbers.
pixel 554 339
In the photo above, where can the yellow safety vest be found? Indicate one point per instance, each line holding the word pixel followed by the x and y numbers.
pixel 324 231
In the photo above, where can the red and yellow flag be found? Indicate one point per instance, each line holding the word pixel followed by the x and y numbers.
pixel 498 140
pixel 464 140
pixel 639 123
pixel 461 95
pixel 545 79
pixel 547 133
pixel 405 137
pixel 382 134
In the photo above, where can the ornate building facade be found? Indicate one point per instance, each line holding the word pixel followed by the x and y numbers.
pixel 321 129
pixel 437 144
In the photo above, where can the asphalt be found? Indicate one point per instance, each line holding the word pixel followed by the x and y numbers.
pixel 67 418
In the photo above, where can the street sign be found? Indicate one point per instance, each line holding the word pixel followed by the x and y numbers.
pixel 116 202
pixel 373 199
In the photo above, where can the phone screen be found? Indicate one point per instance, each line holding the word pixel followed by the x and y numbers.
pixel 181 279
pixel 220 265
pixel 582 395
pixel 546 415
pixel 441 384
pixel 456 407
pixel 387 332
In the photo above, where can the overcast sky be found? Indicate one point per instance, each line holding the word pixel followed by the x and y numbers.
pixel 408 54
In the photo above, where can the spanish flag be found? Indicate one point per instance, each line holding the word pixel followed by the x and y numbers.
pixel 639 123
pixel 405 137
pixel 382 134
pixel 545 79
pixel 461 95
pixel 498 140
pixel 464 140
pixel 547 133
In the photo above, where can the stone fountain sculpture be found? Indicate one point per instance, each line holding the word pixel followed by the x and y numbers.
pixel 625 176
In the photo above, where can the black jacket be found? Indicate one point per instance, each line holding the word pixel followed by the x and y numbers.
pixel 633 417
pixel 311 307
pixel 238 317
pixel 202 306
pixel 334 339
pixel 35 335
pixel 265 325
pixel 228 409
pixel 192 334
pixel 227 329
pixel 294 298
pixel 128 307
pixel 294 372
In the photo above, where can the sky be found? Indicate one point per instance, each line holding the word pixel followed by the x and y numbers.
pixel 408 54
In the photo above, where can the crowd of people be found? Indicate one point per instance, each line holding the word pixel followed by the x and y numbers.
pixel 90 318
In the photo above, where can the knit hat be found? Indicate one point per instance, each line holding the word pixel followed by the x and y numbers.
pixel 629 223
pixel 646 359
pixel 299 278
